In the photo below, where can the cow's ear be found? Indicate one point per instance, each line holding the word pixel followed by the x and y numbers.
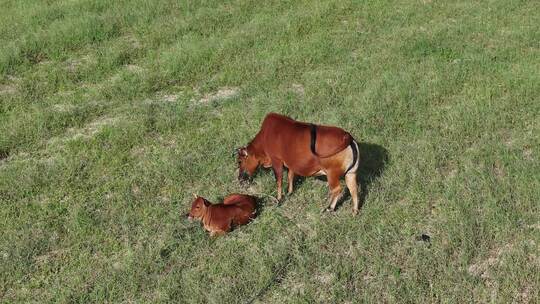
pixel 243 151
pixel 205 202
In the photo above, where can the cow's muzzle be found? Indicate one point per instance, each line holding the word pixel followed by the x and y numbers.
pixel 243 177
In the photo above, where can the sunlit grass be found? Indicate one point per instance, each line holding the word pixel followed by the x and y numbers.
pixel 113 113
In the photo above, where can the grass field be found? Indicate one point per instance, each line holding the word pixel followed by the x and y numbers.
pixel 112 113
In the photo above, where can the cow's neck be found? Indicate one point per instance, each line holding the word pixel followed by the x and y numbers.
pixel 255 147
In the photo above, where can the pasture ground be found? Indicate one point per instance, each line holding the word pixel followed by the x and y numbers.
pixel 113 112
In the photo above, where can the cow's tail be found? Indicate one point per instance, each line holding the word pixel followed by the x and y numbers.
pixel 354 148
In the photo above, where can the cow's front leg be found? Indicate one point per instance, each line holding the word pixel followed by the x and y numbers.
pixel 277 165
pixel 290 180
pixel 335 190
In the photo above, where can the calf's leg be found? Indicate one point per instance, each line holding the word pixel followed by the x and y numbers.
pixel 350 179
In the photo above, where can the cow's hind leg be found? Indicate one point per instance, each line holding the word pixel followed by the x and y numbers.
pixel 290 180
pixel 335 190
pixel 230 200
pixel 350 179
pixel 277 165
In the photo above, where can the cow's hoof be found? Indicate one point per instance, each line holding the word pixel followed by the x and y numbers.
pixel 275 200
pixel 328 209
pixel 355 212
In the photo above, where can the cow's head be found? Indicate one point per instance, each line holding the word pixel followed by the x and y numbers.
pixel 198 207
pixel 247 164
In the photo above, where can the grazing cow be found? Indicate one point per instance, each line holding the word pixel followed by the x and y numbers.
pixel 306 150
pixel 236 210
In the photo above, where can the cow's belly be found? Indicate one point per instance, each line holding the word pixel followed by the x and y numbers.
pixel 307 170
pixel 319 173
pixel 299 159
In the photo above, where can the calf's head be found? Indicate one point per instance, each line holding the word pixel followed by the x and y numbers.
pixel 247 164
pixel 198 208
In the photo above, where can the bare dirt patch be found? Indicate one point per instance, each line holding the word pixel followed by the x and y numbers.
pixel 170 97
pixel 298 89
pixel 94 127
pixel 40 156
pixel 325 278
pixel 368 277
pixel 134 68
pixel 63 108
pixel 534 226
pixel 163 97
pixel 220 95
pixel 86 132
pixel 9 87
pixel 498 170
pixel 525 295
pixel 528 153
pixel 6 89
pixel 507 138
pixel 482 268
pixel 50 256
pixel 72 65
pixel 448 170
pixel 133 41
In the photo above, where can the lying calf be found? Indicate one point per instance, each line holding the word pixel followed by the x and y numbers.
pixel 236 209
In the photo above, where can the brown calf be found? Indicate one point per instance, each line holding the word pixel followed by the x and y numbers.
pixel 306 150
pixel 236 210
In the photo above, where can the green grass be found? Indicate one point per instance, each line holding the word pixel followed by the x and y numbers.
pixel 109 120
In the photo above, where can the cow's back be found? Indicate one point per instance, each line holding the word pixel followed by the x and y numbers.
pixel 331 140
pixel 283 135
pixel 245 202
pixel 241 207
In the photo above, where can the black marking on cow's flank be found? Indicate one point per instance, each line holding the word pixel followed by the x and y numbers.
pixel 313 129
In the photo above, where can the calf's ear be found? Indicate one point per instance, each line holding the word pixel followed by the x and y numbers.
pixel 206 203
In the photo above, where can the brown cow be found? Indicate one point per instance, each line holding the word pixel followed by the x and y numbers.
pixel 236 210
pixel 306 150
